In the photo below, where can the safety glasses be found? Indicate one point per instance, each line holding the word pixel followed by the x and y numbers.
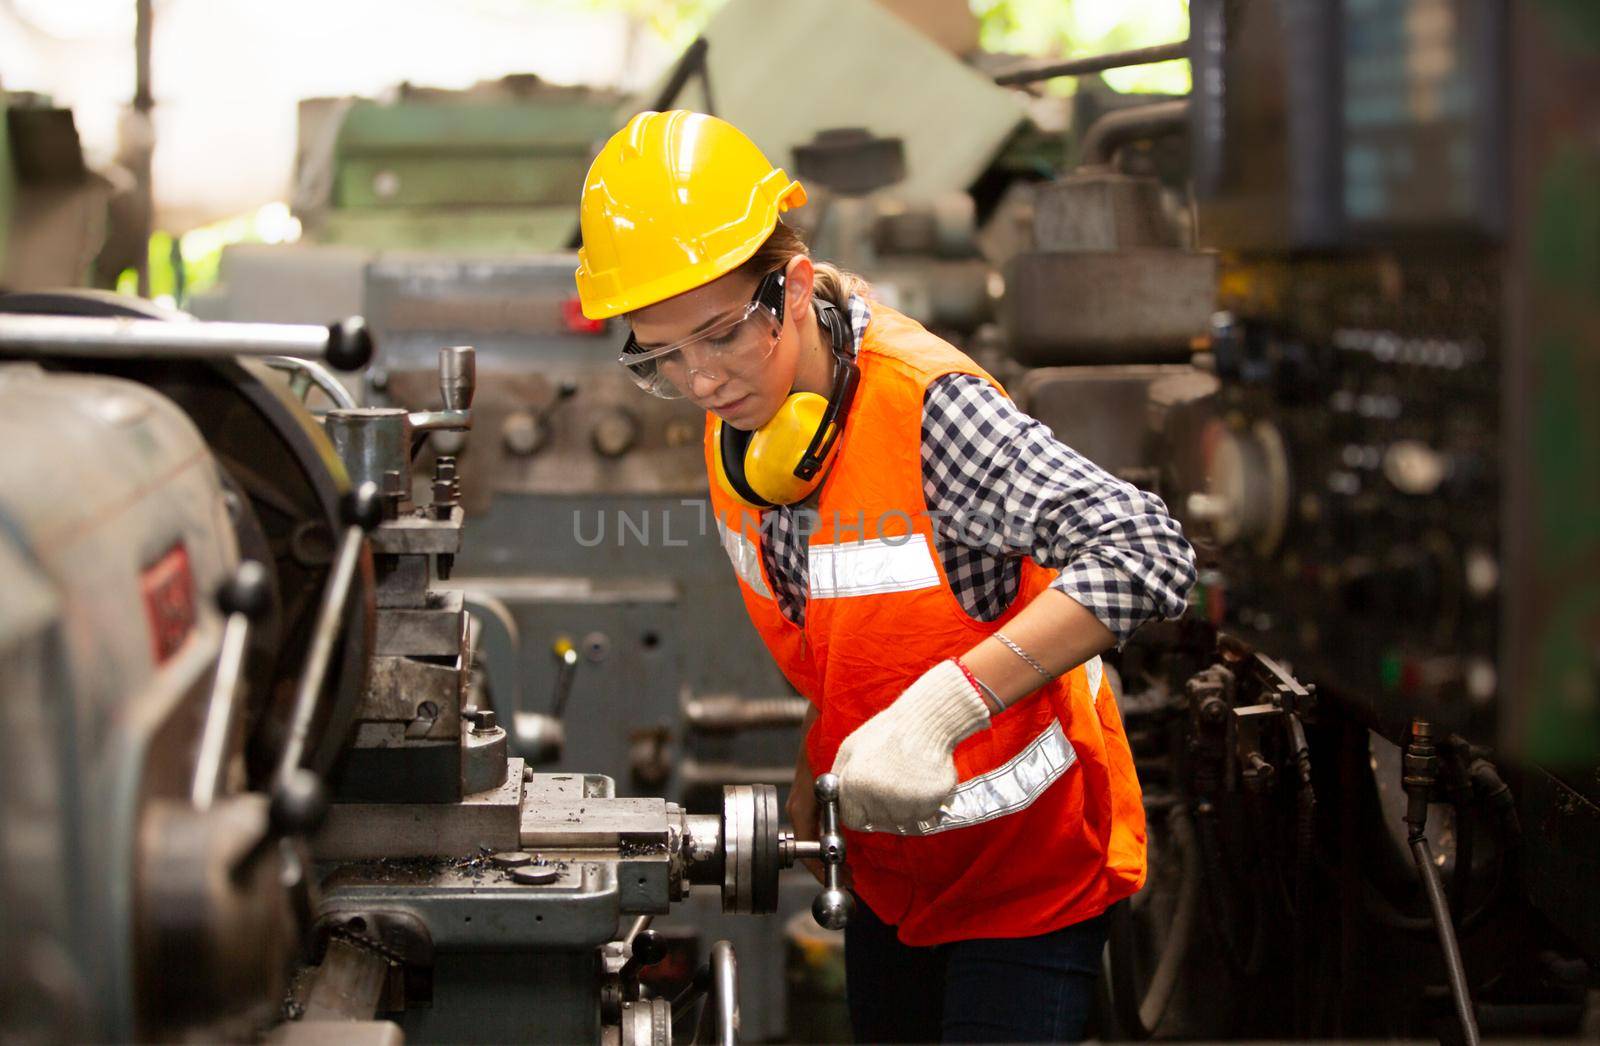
pixel 734 345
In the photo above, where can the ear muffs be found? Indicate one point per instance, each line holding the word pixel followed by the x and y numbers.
pixel 784 460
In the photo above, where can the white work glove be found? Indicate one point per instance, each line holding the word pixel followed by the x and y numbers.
pixel 897 769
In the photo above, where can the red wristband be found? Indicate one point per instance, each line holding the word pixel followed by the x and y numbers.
pixel 983 691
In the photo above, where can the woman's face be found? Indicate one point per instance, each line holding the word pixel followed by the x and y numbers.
pixel 745 397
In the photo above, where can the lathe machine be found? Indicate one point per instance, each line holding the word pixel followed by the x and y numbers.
pixel 252 778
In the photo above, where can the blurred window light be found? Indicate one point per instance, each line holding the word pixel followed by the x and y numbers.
pixel 1079 28
pixel 74 19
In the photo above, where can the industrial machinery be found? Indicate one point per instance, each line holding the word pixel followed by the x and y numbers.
pixel 250 729
pixel 1350 343
pixel 1370 751
pixel 446 217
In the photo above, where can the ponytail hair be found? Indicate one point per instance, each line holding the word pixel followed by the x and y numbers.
pixel 833 284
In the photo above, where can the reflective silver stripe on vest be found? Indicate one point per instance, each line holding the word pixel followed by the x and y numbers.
pixel 1005 789
pixel 742 552
pixel 871 567
pixel 1096 672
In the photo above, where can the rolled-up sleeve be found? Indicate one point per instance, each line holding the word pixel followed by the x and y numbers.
pixel 998 482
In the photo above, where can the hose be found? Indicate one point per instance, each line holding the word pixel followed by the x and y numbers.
pixel 1219 896
pixel 1181 934
pixel 1140 1016
pixel 1447 939
pixel 1305 843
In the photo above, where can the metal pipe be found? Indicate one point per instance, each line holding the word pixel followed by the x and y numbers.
pixel 316 374
pixel 723 1000
pixel 1447 939
pixel 1121 126
pixel 730 712
pixel 693 60
pixel 346 345
pixel 1033 72
pixel 140 143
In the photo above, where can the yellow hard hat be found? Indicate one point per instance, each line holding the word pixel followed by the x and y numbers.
pixel 673 201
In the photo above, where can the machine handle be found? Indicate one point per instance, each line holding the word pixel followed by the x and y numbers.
pixel 458 376
pixel 645 948
pixel 244 598
pixel 361 512
pixel 834 905
pixel 566 670
pixel 299 800
pixel 346 345
pixel 458 383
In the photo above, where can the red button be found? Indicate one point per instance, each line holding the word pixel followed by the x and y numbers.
pixel 577 322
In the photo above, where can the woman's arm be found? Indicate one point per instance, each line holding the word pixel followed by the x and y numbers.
pixel 1002 486
pixel 998 482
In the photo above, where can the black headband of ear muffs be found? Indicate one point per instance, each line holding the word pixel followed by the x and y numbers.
pixel 846 375
pixel 734 443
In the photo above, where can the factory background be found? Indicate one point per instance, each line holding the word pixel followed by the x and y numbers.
pixel 371 670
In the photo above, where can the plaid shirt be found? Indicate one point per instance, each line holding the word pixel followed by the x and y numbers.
pixel 1000 486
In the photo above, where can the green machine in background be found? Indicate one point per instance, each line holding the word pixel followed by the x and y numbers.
pixel 495 167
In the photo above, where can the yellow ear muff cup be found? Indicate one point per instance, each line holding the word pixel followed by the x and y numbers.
pixel 731 444
pixel 777 448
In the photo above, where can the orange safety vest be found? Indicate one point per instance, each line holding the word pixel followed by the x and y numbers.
pixel 1046 828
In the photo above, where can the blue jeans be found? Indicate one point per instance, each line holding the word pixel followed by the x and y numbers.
pixel 1023 989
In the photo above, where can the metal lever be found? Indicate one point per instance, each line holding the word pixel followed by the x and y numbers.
pixel 834 905
pixel 361 512
pixel 344 346
pixel 458 383
pixel 244 598
pixel 299 801
pixel 566 670
pixel 305 373
pixel 645 948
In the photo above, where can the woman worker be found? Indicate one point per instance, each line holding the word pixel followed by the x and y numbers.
pixel 928 566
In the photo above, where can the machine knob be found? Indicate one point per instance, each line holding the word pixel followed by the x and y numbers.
pixel 522 433
pixel 615 433
pixel 649 948
pixel 362 507
pixel 833 908
pixel 299 803
pixel 350 345
pixel 1415 468
pixel 246 592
